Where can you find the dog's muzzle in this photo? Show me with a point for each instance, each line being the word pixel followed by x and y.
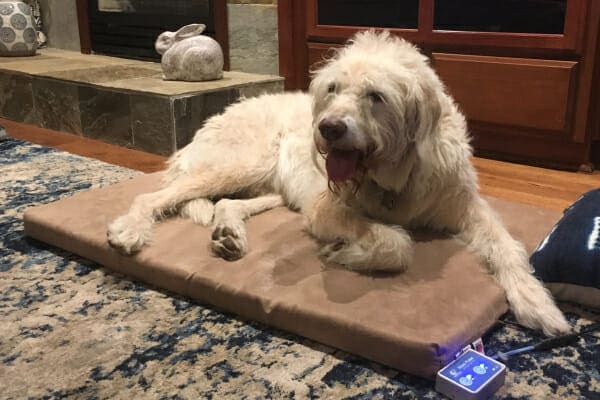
pixel 343 158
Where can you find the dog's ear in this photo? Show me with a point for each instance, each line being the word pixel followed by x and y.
pixel 424 109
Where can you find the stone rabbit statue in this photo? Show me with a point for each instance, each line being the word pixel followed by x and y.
pixel 187 55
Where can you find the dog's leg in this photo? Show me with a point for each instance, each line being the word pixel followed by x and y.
pixel 131 231
pixel 229 233
pixel 508 263
pixel 200 211
pixel 356 242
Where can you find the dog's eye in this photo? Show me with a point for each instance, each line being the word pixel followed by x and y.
pixel 376 97
pixel 331 88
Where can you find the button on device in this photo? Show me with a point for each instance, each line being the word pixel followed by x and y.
pixel 466 380
pixel 480 369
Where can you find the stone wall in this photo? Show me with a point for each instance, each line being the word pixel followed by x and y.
pixel 253 40
pixel 60 24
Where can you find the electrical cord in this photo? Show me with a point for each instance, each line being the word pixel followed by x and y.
pixel 550 343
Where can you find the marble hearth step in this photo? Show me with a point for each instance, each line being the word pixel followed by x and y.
pixel 120 101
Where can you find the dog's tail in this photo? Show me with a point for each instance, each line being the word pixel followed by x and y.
pixel 508 263
pixel 200 211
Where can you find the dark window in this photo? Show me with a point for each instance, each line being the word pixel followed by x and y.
pixel 518 16
pixel 155 7
pixel 369 13
pixel 129 28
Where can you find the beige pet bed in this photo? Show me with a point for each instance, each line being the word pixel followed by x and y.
pixel 415 321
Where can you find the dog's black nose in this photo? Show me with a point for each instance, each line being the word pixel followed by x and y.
pixel 332 128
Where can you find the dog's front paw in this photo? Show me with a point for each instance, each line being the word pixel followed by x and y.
pixel 129 234
pixel 229 241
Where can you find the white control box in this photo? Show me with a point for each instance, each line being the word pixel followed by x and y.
pixel 472 376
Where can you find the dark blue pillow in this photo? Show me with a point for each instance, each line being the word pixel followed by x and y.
pixel 568 259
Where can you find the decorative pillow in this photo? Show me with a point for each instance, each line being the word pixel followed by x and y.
pixel 568 259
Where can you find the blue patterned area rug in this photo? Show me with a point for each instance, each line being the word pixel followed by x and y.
pixel 72 329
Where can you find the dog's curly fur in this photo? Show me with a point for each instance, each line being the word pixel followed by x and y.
pixel 414 170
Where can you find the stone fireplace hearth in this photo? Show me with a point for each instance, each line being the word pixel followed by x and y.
pixel 119 101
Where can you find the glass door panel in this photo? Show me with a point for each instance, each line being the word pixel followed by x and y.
pixel 402 14
pixel 511 16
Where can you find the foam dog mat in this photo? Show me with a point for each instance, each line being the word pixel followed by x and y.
pixel 415 321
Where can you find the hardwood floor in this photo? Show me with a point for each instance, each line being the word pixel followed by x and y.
pixel 524 184
pixel 109 153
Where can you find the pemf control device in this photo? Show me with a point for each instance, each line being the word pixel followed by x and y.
pixel 472 376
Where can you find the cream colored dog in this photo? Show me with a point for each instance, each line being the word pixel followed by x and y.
pixel 380 130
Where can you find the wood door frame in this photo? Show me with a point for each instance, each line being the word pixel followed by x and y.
pixel 219 13
pixel 293 60
pixel 83 22
pixel 221 18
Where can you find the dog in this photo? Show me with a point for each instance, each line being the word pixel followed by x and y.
pixel 376 149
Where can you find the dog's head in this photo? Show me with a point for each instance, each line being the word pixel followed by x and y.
pixel 373 101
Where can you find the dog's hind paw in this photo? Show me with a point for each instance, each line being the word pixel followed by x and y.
pixel 555 325
pixel 549 320
pixel 536 310
pixel 229 241
pixel 353 256
pixel 128 234
pixel 350 256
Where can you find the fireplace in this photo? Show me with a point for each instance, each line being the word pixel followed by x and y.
pixel 128 28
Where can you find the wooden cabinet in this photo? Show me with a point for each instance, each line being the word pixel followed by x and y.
pixel 525 72
pixel 521 92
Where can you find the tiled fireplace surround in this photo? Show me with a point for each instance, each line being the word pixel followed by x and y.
pixel 120 101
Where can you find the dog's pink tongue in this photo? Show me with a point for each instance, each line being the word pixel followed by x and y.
pixel 341 165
